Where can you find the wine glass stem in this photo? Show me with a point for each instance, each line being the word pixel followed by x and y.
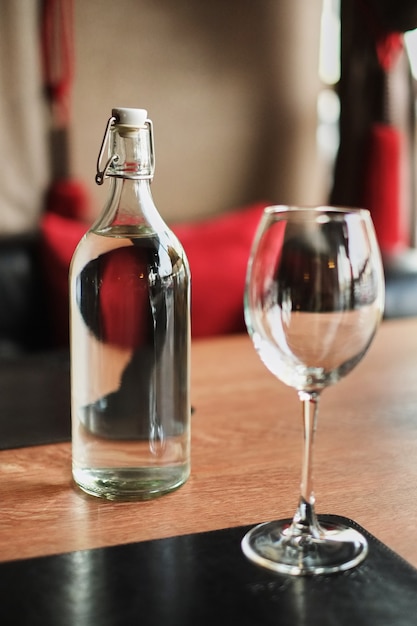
pixel 305 520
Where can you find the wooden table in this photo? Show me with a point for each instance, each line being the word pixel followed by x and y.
pixel 246 454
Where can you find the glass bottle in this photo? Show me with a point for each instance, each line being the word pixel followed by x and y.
pixel 130 332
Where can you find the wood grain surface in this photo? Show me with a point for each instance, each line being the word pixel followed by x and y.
pixel 246 455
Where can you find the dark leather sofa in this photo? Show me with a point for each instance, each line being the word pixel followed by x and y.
pixel 24 323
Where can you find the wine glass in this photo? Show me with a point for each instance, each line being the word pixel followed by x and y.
pixel 314 298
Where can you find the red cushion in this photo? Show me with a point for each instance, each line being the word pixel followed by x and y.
pixel 217 249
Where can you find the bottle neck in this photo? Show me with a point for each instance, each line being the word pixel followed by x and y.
pixel 132 153
pixel 130 203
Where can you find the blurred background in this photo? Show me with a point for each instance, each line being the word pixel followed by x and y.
pixel 266 101
pixel 231 88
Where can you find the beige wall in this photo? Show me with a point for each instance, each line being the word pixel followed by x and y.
pixel 231 88
pixel 23 124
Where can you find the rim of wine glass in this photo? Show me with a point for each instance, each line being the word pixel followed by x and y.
pixel 319 209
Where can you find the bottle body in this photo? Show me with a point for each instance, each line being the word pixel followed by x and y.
pixel 130 344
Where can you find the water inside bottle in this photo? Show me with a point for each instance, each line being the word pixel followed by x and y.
pixel 130 401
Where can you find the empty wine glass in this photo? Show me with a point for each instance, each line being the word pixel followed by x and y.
pixel 313 301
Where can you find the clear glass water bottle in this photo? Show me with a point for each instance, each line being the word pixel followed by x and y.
pixel 130 332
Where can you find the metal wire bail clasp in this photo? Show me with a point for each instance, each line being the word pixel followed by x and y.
pixel 101 174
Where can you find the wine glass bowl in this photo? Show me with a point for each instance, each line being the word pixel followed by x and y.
pixel 314 298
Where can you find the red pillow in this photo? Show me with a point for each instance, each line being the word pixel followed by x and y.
pixel 217 249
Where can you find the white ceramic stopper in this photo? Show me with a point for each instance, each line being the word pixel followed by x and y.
pixel 130 117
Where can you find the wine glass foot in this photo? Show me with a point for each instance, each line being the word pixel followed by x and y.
pixel 336 548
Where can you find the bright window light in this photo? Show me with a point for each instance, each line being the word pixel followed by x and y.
pixel 411 46
pixel 329 59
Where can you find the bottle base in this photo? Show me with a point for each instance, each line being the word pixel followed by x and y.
pixel 130 483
